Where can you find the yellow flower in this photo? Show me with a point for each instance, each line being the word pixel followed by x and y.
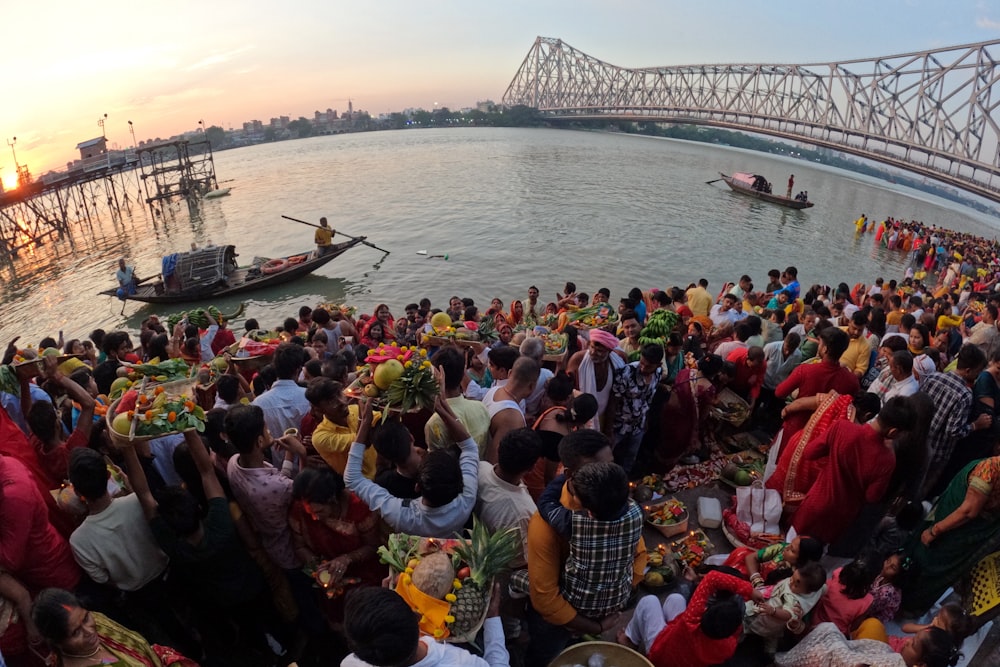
pixel 399 357
pixel 406 579
pixel 438 633
pixel 426 364
pixel 450 597
pixel 423 353
pixel 457 585
pixel 408 364
pixel 408 570
pixel 449 619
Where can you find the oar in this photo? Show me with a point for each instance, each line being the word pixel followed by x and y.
pixel 715 181
pixel 353 238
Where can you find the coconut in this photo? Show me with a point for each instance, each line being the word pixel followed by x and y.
pixel 642 493
pixel 434 575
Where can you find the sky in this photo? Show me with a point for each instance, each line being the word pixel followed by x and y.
pixel 167 65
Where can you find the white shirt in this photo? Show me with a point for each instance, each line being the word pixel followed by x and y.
pixel 117 546
pixel 779 368
pixel 284 406
pixel 448 655
pixel 503 505
pixel 413 516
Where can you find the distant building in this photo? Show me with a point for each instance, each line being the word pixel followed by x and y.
pixel 485 106
pixel 92 147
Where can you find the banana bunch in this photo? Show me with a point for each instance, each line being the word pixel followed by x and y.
pixel 659 324
pixel 202 318
pixel 654 558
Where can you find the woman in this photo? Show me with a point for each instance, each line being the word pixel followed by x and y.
pixel 516 316
pixel 82 638
pixel 685 415
pixel 383 316
pixel 568 414
pixel 793 476
pixel 334 531
pixel 74 346
pixel 919 344
pixel 826 645
pixel 694 343
pixel 375 333
pixel 962 529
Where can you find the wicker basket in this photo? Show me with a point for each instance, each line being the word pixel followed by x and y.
pixel 119 440
pixel 614 654
pixel 669 529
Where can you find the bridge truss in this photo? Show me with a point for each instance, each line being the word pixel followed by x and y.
pixel 930 112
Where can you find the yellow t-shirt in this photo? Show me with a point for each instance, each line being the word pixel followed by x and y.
pixel 333 442
pixel 324 236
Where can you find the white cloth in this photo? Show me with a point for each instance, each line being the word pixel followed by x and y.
pixel 778 367
pixel 502 505
pixel 727 348
pixel 448 655
pixel 588 382
pixel 650 618
pixel 117 546
pixel 413 516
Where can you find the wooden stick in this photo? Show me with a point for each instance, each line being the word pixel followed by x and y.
pixel 353 238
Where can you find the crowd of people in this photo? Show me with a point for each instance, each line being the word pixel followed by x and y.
pixel 202 547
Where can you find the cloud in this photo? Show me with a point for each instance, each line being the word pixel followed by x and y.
pixel 988 24
pixel 218 58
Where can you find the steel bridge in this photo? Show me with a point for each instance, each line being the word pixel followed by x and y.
pixel 929 112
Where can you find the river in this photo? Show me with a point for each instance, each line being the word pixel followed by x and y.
pixel 510 208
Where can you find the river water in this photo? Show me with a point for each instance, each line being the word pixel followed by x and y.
pixel 510 208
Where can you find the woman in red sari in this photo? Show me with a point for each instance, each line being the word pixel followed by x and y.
pixel 684 415
pixel 333 530
pixel 794 476
pixel 516 316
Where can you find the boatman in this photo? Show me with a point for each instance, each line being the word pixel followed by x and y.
pixel 791 184
pixel 127 280
pixel 323 238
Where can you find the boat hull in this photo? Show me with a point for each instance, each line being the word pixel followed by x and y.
pixel 242 280
pixel 774 199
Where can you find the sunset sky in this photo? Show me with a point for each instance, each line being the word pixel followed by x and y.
pixel 165 65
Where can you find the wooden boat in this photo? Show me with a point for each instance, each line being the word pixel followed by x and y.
pixel 745 183
pixel 222 192
pixel 212 272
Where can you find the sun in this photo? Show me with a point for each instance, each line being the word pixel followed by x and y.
pixel 10 181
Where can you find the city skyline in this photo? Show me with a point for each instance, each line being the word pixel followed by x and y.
pixel 167 66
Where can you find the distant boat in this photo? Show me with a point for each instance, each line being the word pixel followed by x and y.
pixel 209 273
pixel 750 184
pixel 212 194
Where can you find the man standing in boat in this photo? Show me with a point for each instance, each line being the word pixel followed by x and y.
pixel 127 280
pixel 323 238
pixel 791 184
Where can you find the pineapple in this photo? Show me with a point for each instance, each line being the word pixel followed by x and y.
pixel 486 555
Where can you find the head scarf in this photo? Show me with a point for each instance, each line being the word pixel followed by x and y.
pixel 602 337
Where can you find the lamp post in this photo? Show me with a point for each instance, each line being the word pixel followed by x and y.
pixel 131 129
pixel 11 142
pixel 100 122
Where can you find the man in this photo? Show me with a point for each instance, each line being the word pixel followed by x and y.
pixel 631 328
pixel 285 403
pixel 504 405
pixel 894 313
pixel 859 351
pixel 447 487
pixel 473 414
pixel 532 305
pixel 915 306
pixel 725 311
pixel 503 500
pixel 791 184
pixel 750 366
pixel 781 357
pixel 394 443
pixel 897 378
pixel 631 395
pixel 985 333
pixel 116 348
pixel 551 619
pixel 338 430
pixel 773 281
pixel 790 280
pixel 323 238
pixel 858 467
pixel 952 411
pixel 593 368
pixel 534 348
pixel 742 331
pixel 127 280
pixel 500 360
pixel 741 289
pixel 698 299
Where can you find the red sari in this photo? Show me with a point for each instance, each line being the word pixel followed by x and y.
pixel 793 475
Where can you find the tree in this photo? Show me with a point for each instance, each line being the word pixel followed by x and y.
pixel 216 137
pixel 301 127
pixel 270 134
pixel 421 117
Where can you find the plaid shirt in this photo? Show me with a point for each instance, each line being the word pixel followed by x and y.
pixel 597 578
pixel 950 423
pixel 633 396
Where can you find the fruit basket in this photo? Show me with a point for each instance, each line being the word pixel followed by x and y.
pixel 154 411
pixel 29 368
pixel 692 549
pixel 742 470
pixel 399 379
pixel 669 516
pixel 730 408
pixel 600 653
pixel 598 316
pixel 661 570
pixel 449 582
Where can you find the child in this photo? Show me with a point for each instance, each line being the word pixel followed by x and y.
pixel 848 597
pixel 886 590
pixel 891 532
pixel 790 600
pixel 596 582
pixel 771 564
pixel 951 618
pixel 383 631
